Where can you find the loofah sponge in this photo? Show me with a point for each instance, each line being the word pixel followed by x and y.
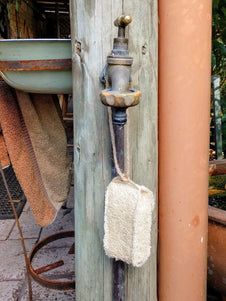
pixel 128 221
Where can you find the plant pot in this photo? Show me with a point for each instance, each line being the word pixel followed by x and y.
pixel 217 250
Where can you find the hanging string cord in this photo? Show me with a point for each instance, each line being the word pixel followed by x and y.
pixel 20 232
pixel 124 176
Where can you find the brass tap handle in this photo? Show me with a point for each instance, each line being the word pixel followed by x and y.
pixel 123 21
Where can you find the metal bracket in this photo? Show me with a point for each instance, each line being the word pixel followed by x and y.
pixel 103 75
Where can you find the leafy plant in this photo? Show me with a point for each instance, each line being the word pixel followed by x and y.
pixel 217 182
pixel 16 4
pixel 3 21
pixel 219 55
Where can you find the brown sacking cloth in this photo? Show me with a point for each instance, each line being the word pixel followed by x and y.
pixel 4 158
pixel 16 142
pixel 19 142
pixel 49 143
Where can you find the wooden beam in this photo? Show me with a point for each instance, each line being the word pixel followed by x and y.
pixel 92 33
pixel 216 215
pixel 217 167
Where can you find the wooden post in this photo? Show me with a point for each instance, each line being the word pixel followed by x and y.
pixel 92 33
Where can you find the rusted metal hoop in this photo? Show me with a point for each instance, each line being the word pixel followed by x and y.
pixel 45 282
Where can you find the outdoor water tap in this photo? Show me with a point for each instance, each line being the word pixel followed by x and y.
pixel 119 95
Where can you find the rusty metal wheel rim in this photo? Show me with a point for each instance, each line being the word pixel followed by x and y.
pixel 58 285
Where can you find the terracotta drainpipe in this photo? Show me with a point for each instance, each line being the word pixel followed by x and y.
pixel 184 98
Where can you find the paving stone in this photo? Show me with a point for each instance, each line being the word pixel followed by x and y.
pixel 12 264
pixel 70 200
pixel 64 221
pixel 6 227
pixel 13 285
pixel 26 207
pixel 41 293
pixel 9 290
pixel 29 227
pixel 46 256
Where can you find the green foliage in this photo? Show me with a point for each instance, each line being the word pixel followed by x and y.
pixel 218 201
pixel 219 55
pixel 16 4
pixel 219 39
pixel 8 9
pixel 3 20
pixel 217 182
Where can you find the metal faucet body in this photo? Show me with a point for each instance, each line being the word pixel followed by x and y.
pixel 119 94
pixel 119 66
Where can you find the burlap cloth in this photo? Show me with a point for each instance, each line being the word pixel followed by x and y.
pixel 36 143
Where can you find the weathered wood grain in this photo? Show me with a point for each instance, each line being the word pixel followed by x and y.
pixel 92 26
pixel 143 41
pixel 217 167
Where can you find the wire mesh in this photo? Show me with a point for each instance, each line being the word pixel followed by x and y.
pixel 17 194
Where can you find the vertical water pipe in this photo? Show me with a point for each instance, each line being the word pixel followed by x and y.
pixel 184 108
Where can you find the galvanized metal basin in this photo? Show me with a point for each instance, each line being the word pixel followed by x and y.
pixel 37 65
